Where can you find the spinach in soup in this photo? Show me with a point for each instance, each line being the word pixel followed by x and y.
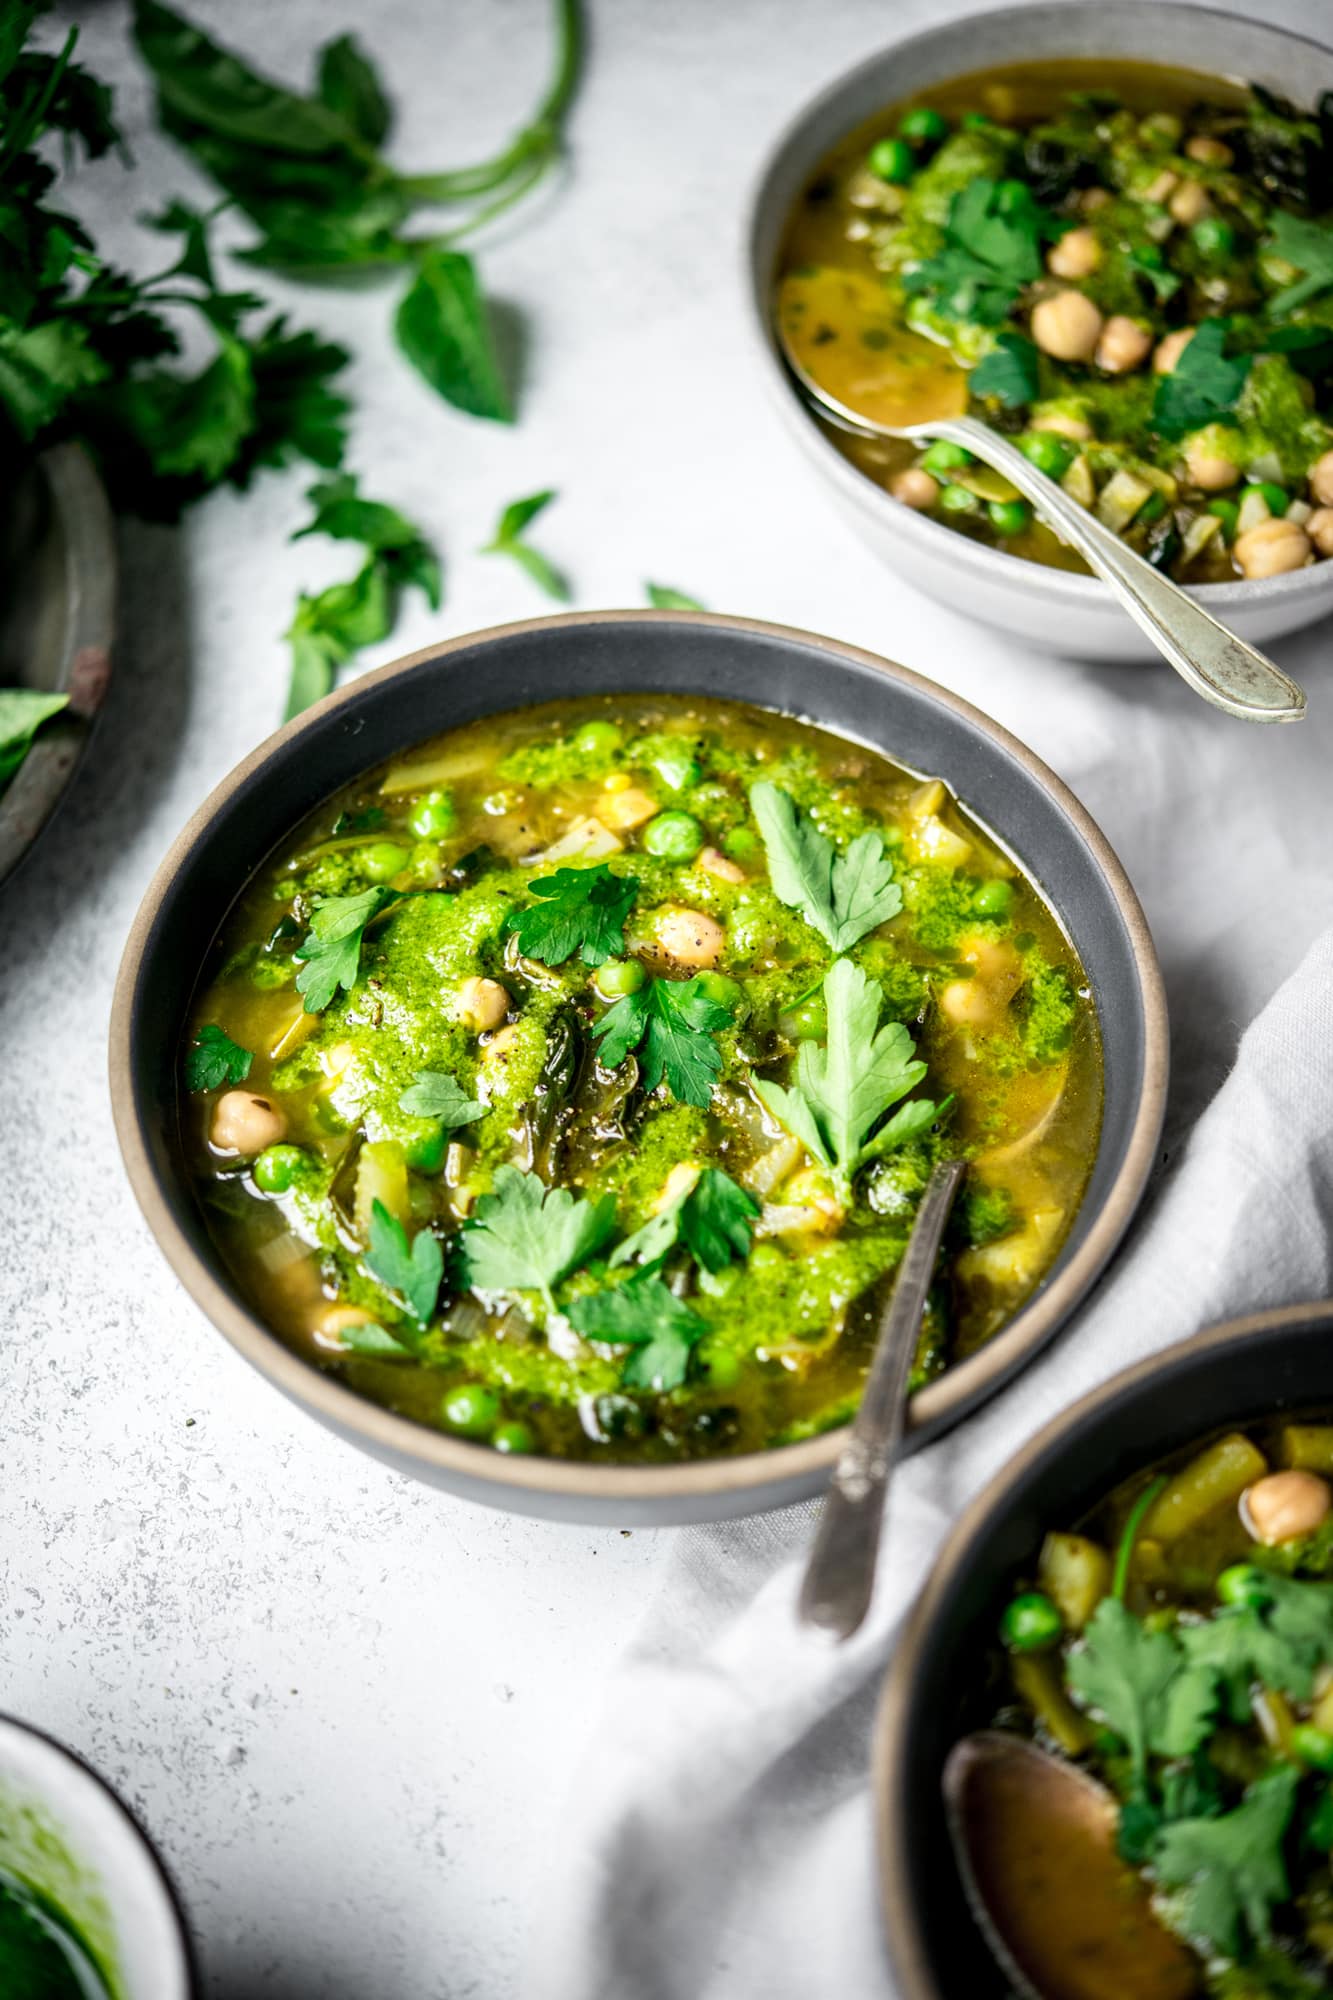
pixel 1180 1646
pixel 1129 268
pixel 571 1084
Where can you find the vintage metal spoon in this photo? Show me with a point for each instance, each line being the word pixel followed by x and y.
pixel 1215 662
pixel 840 1575
pixel 1035 1841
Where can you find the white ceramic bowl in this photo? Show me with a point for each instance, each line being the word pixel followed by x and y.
pixel 65 1835
pixel 1052 609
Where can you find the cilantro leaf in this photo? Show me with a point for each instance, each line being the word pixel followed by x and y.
pixel 1280 1636
pixel 435 1094
pixel 412 1273
pixel 843 1090
pixel 841 895
pixel 646 1315
pixel 443 328
pixel 1229 1870
pixel 22 713
pixel 1309 246
pixel 663 598
pixel 331 951
pixel 1008 374
pixel 579 910
pixel 523 1238
pixel 507 541
pixel 992 248
pixel 714 1219
pixel 670 1022
pixel 213 1059
pixel 1142 1685
pixel 1204 385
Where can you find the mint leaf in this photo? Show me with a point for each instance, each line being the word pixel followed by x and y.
pixel 413 1273
pixel 1309 246
pixel 443 329
pixel 22 713
pixel 670 1022
pixel 714 1221
pixel 645 1314
pixel 1142 1685
pixel 523 1238
pixel 579 910
pixel 1203 386
pixel 213 1059
pixel 842 896
pixel 1229 1870
pixel 350 87
pixel 1008 374
pixel 663 598
pixel 506 542
pixel 435 1094
pixel 331 952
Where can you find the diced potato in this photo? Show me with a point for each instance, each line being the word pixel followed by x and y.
pixel 927 799
pixel 934 841
pixel 1216 1478
pixel 1075 1574
pixel 381 1175
pixel 626 808
pixel 587 837
pixel 1036 1678
pixel 1120 499
pixel 1014 1259
pixel 1079 483
pixel 1307 1447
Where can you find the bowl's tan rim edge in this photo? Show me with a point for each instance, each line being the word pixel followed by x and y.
pixel 1005 571
pixel 380 1429
pixel 911 1964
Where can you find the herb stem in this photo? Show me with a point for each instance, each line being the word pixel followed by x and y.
pixel 21 139
pixel 1125 1553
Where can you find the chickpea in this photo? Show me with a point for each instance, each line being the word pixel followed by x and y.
pixel 1160 189
pixel 245 1123
pixel 1208 469
pixel 481 1004
pixel 327 1330
pixel 1170 348
pixel 1319 528
pixel 721 865
pixel 1321 479
pixel 1272 548
pixel 1190 203
pixel 625 808
pixel 690 938
pixel 1063 425
pixel 969 1003
pixel 1067 325
pixel 1094 198
pixel 915 488
pixel 1076 255
pixel 1208 152
pixel 1124 345
pixel 1284 1506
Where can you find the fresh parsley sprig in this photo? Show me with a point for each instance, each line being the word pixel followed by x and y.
pixel 411 1271
pixel 1008 375
pixel 1204 385
pixel 1143 1686
pixel 991 250
pixel 1306 245
pixel 646 1316
pixel 508 541
pixel 436 1094
pixel 714 1219
pixel 671 1024
pixel 331 951
pixel 842 896
pixel 213 1059
pixel 523 1237
pixel 1228 1873
pixel 581 910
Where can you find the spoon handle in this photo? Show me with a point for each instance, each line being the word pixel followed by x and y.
pixel 1217 664
pixel 840 1575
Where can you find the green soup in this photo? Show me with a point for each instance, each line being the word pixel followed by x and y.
pixel 572 1083
pixel 41 1955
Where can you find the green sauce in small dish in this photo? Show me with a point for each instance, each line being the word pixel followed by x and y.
pixel 42 1956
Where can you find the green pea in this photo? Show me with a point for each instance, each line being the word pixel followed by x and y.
pixel 617 977
pixel 433 816
pixel 1276 497
pixel 1228 513
pixel 716 986
pixel 957 500
pixel 382 859
pixel 945 457
pixel 721 1367
pixel 1213 238
pixel 924 126
pixel 673 836
pixel 678 769
pixel 1049 452
pixel 893 160
pixel 471 1409
pixel 976 121
pixel 425 1152
pixel 1313 1746
pixel 276 1168
pixel 808 1019
pixel 1031 1623
pixel 1319 1826
pixel 597 739
pixel 1242 1584
pixel 512 1437
pixel 741 844
pixel 994 898
pixel 1008 517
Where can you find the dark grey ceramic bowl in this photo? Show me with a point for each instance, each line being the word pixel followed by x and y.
pixel 850 692
pixel 1248 1369
pixel 1056 610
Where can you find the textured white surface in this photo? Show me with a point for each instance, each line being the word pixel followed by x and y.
pixel 348 1707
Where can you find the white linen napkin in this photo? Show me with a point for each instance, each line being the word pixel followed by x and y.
pixel 719 1843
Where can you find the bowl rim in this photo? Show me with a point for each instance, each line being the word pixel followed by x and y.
pixel 1004 571
pixel 890 1784
pixel 492 1474
pixel 135 1832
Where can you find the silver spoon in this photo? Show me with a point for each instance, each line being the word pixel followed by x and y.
pixel 1214 661
pixel 840 1575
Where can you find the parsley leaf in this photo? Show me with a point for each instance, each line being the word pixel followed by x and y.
pixel 523 1238
pixel 714 1220
pixel 1142 1685
pixel 663 598
pixel 22 713
pixel 1307 245
pixel 1281 1636
pixel 507 542
pixel 414 1273
pixel 1008 374
pixel 670 1023
pixel 646 1315
pixel 332 949
pixel 213 1059
pixel 579 910
pixel 1229 1870
pixel 435 1094
pixel 370 1338
pixel 841 895
pixel 843 1090
pixel 992 248
pixel 1203 386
